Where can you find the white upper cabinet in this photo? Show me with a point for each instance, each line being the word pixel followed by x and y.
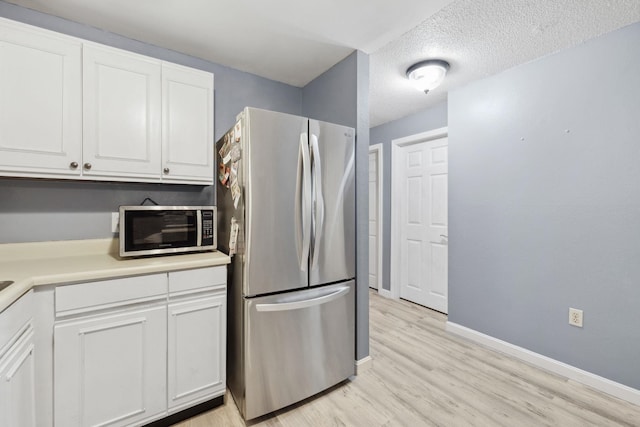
pixel 187 125
pixel 75 109
pixel 121 96
pixel 40 102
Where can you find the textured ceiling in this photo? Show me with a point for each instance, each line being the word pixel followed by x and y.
pixel 294 42
pixel 290 41
pixel 480 38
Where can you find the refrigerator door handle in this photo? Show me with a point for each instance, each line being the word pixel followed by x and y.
pixel 303 203
pixel 318 201
pixel 295 305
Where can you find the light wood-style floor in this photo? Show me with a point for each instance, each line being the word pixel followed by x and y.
pixel 424 376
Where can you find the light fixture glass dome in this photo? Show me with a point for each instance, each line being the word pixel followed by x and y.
pixel 427 75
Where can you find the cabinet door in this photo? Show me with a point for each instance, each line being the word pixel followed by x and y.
pixel 197 351
pixel 40 102
pixel 187 125
pixel 121 93
pixel 17 383
pixel 110 369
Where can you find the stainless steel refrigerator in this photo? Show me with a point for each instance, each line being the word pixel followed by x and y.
pixel 286 211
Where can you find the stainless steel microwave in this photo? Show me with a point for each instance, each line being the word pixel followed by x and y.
pixel 157 230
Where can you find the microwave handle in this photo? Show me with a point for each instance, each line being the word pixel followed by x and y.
pixel 199 227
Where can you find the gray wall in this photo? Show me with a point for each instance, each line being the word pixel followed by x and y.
pixel 36 210
pixel 341 95
pixel 429 119
pixel 362 205
pixel 544 205
pixel 63 210
pixel 39 210
pixel 331 97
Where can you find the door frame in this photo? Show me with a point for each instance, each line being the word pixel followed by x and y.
pixel 378 148
pixel 396 145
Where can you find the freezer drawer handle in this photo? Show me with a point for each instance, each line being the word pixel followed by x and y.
pixel 286 306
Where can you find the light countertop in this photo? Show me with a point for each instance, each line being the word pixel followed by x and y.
pixel 30 265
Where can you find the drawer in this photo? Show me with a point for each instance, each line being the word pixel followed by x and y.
pixel 198 280
pixel 294 343
pixel 13 320
pixel 84 297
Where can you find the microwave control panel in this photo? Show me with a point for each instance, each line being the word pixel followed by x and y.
pixel 207 228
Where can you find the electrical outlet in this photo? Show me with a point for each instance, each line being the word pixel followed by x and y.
pixel 575 317
pixel 115 222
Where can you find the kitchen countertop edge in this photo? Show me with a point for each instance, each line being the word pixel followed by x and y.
pixel 30 265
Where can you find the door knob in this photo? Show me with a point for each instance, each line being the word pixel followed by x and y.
pixel 166 171
pixel 73 165
pixel 87 166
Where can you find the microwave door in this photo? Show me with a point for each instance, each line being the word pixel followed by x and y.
pixel 155 231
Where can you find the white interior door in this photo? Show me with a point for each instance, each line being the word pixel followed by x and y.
pixel 423 227
pixel 373 219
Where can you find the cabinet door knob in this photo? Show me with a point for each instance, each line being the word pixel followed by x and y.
pixel 87 166
pixel 73 165
pixel 166 171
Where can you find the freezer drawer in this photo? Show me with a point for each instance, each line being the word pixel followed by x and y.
pixel 297 344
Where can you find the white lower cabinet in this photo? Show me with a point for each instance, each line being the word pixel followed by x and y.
pixel 17 364
pixel 17 383
pixel 132 350
pixel 110 369
pixel 196 370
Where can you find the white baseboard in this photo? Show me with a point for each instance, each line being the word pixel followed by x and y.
pixel 364 364
pixel 597 382
pixel 384 293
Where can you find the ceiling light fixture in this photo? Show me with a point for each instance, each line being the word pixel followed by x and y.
pixel 427 75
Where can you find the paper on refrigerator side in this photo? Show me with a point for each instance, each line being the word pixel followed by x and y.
pixel 234 153
pixel 235 193
pixel 237 131
pixel 223 169
pixel 226 146
pixel 223 174
pixel 235 186
pixel 230 154
pixel 233 237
